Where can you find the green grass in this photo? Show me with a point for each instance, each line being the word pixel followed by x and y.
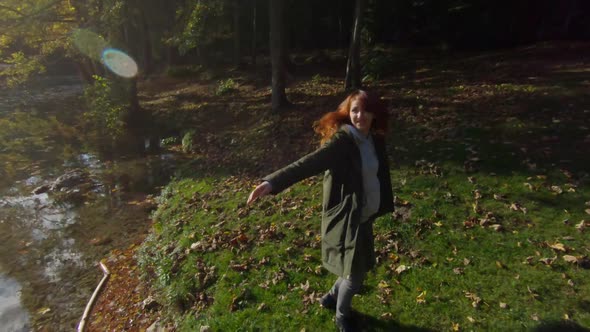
pixel 491 180
pixel 265 268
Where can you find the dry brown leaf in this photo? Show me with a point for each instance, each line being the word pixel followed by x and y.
pixel 386 315
pixel 477 194
pixel 570 259
pixel 499 197
pixel 402 268
pixel 558 246
pixel 421 298
pixel 547 261
pixel 497 227
pixel 581 226
pixel 503 305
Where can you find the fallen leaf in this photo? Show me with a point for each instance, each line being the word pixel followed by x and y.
pixel 570 259
pixel 497 227
pixel 43 311
pixel 470 319
pixel 477 194
pixel 383 284
pixel 557 189
pixel 503 305
pixel 458 270
pixel 581 225
pixel 547 261
pixel 466 261
pixel 455 326
pixel 499 197
pixel 421 298
pixel 402 268
pixel 476 300
pixel 558 246
pixel 587 211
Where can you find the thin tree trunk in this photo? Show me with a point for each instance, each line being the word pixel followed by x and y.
pixel 353 65
pixel 147 45
pixel 254 32
pixel 236 32
pixel 277 55
pixel 340 28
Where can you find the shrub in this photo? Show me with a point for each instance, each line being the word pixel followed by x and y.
pixel 226 86
pixel 107 108
pixel 188 141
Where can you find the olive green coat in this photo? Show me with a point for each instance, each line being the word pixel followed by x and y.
pixel 343 250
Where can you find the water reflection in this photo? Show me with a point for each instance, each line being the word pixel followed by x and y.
pixel 49 247
pixel 52 247
pixel 13 318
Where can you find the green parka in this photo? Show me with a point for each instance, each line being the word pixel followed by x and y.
pixel 344 251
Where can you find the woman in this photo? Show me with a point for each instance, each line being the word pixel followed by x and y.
pixel 357 189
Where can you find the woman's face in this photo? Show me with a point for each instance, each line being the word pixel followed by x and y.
pixel 360 118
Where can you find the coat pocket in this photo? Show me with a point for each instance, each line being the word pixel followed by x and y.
pixel 334 223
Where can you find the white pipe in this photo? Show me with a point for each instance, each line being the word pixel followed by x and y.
pixel 93 298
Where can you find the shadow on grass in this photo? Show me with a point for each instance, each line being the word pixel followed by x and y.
pixel 366 322
pixel 559 326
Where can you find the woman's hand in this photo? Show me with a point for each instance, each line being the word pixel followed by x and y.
pixel 261 190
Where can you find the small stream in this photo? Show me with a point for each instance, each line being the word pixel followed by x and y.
pixel 50 246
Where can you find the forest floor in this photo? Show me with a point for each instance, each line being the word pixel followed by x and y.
pixel 489 168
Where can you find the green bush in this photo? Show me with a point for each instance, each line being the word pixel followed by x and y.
pixel 169 141
pixel 226 86
pixel 188 141
pixel 107 108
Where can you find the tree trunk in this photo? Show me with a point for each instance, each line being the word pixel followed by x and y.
pixel 236 32
pixel 340 28
pixel 353 65
pixel 254 32
pixel 571 11
pixel 147 45
pixel 277 55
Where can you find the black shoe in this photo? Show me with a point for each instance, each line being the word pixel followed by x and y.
pixel 327 301
pixel 346 325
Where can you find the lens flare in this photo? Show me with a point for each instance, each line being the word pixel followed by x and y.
pixel 119 62
pixel 89 43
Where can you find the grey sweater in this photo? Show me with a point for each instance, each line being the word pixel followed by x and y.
pixel 370 166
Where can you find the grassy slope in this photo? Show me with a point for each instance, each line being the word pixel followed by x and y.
pixel 496 139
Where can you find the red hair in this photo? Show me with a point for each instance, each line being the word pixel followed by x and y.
pixel 329 124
